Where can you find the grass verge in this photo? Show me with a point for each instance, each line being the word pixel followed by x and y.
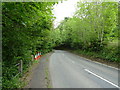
pixel 102 57
pixel 48 84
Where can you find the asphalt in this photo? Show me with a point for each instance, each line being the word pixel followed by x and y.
pixel 68 70
pixel 39 75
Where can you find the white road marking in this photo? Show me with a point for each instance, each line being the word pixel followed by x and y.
pixel 102 78
pixel 69 59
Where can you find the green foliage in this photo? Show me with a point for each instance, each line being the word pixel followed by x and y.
pixel 93 29
pixel 26 29
pixel 11 84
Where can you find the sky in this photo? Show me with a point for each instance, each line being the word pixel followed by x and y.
pixel 64 9
pixel 67 9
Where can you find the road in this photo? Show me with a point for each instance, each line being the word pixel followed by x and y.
pixel 68 70
pixel 37 77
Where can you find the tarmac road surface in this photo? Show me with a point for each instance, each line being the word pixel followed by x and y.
pixel 68 70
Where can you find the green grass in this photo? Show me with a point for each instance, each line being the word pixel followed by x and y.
pixel 108 53
pixel 114 43
pixel 47 78
pixel 36 61
pixel 16 81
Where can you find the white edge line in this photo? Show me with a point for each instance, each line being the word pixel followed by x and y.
pixel 102 78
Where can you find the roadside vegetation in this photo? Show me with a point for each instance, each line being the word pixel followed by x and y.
pixel 93 30
pixel 27 28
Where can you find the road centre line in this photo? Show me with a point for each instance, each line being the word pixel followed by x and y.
pixel 102 78
pixel 97 62
pixel 69 59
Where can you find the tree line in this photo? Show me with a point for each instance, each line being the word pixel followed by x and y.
pixel 27 28
pixel 93 29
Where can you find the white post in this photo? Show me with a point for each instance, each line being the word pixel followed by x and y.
pixel 32 59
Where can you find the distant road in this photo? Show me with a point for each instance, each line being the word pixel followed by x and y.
pixel 68 70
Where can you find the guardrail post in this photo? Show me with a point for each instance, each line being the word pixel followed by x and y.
pixel 21 67
pixel 32 58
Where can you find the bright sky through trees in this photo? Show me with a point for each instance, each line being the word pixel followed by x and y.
pixel 64 9
pixel 67 9
pixel 27 28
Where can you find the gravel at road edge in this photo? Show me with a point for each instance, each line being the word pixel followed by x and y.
pixel 38 76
